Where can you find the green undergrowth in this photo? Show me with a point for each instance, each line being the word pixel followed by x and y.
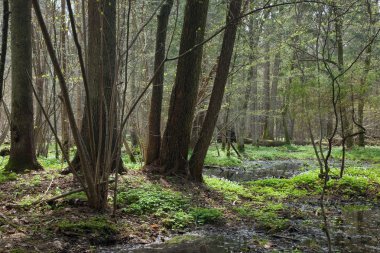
pixel 96 227
pixel 221 158
pixel 173 209
pixel 4 175
pixel 261 200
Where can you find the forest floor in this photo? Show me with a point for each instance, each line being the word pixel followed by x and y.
pixel 154 209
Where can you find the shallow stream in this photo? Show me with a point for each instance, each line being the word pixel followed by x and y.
pixel 351 228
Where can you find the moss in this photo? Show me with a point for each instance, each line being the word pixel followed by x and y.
pixel 180 239
pixel 206 215
pixel 7 176
pixel 97 227
pixel 21 165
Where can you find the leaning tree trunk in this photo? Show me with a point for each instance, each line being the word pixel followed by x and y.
pixel 154 138
pixel 22 152
pixel 176 139
pixel 200 150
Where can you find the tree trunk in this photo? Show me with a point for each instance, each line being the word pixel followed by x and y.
pixel 273 94
pixel 4 46
pixel 363 82
pixel 267 134
pixel 65 127
pixel 176 139
pixel 22 152
pixel 154 138
pixel 197 159
pixel 346 122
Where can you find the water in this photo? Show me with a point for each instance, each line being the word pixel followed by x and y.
pixel 351 231
pixel 352 228
pixel 252 170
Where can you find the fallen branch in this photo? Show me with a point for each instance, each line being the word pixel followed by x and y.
pixel 69 193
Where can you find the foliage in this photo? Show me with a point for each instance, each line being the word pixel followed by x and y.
pixel 178 220
pixel 152 199
pixel 206 215
pixel 231 190
pixel 4 175
pixel 267 217
pixel 212 158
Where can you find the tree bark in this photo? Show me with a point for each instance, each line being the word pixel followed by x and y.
pixel 197 159
pixel 273 94
pixel 267 134
pixel 4 46
pixel 22 151
pixel 154 137
pixel 65 127
pixel 363 81
pixel 176 138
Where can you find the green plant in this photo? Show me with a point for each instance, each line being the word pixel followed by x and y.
pixel 152 199
pixel 178 220
pixel 206 215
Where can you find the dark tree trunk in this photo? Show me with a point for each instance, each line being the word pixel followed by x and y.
pixel 4 45
pixel 22 152
pixel 176 138
pixel 197 159
pixel 154 138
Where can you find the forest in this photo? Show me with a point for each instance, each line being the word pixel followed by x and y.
pixel 191 126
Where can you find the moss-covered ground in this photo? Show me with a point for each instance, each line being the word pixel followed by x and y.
pixel 151 207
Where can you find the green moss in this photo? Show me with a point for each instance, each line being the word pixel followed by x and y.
pixel 7 176
pixel 180 239
pixel 206 215
pixel 351 208
pixel 97 226
pixel 77 196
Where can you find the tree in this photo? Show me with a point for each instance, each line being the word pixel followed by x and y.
pixel 22 152
pixel 200 150
pixel 154 137
pixel 176 139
